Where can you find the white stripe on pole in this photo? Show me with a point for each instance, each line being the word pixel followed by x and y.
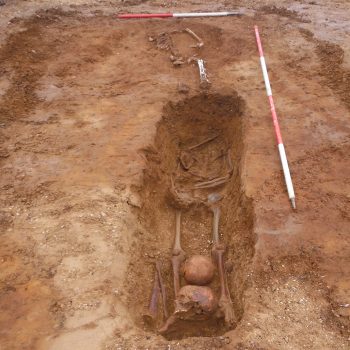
pixel 266 76
pixel 287 176
pixel 205 14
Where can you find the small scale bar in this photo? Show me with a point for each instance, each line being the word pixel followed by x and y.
pixel 177 15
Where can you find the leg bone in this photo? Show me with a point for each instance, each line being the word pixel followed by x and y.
pixel 178 254
pixel 218 251
pixel 177 259
pixel 162 290
pixel 151 314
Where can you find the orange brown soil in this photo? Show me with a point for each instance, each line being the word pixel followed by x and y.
pixel 93 121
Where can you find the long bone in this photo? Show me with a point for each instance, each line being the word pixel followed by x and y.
pixel 212 183
pixel 200 42
pixel 218 251
pixel 176 260
pixel 162 290
pixel 178 254
pixel 151 314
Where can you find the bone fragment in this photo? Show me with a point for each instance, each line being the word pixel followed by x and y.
pixel 186 160
pixel 178 61
pixel 193 58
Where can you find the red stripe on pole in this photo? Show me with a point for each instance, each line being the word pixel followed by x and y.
pixel 258 41
pixel 144 15
pixel 275 121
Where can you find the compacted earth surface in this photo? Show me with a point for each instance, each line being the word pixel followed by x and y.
pixel 106 132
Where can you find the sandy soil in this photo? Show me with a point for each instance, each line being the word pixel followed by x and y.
pixel 92 125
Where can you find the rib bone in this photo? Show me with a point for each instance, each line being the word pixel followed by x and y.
pixel 218 251
pixel 209 139
pixel 212 183
pixel 178 254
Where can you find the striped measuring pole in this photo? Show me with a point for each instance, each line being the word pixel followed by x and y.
pixel 281 149
pixel 177 15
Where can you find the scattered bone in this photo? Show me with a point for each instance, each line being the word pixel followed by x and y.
pixel 194 35
pixel 179 62
pixel 162 290
pixel 193 58
pixel 209 139
pixel 151 314
pixel 218 251
pixel 164 41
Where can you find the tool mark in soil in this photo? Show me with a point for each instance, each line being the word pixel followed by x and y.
pixel 198 142
pixel 29 54
pixel 283 12
pixel 331 57
pixel 25 56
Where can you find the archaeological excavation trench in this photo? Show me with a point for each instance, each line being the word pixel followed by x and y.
pixel 193 171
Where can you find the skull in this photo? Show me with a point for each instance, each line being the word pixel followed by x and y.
pixel 195 303
pixel 198 270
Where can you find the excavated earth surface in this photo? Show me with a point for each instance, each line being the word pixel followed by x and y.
pixel 99 129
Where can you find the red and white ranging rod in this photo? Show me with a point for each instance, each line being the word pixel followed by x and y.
pixel 177 15
pixel 281 149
